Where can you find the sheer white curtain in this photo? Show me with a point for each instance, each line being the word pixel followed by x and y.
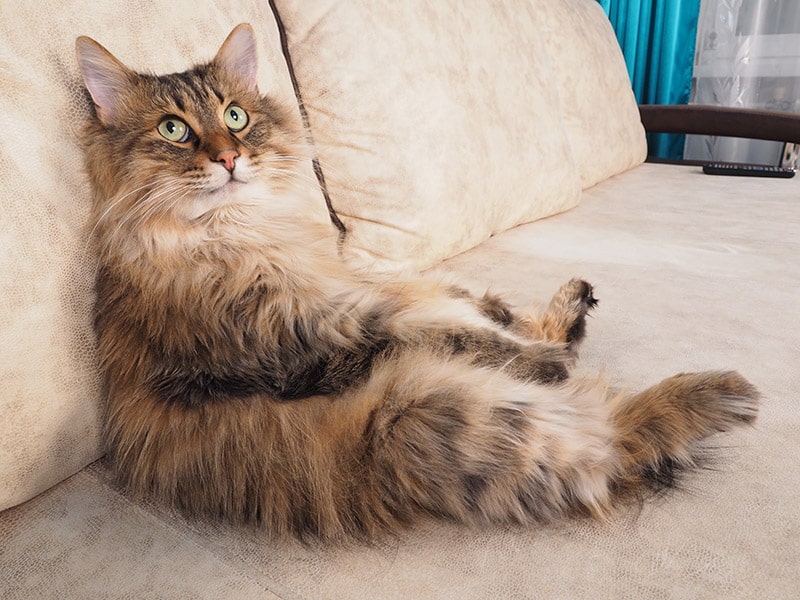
pixel 748 55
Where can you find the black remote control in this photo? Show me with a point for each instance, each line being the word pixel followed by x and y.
pixel 743 170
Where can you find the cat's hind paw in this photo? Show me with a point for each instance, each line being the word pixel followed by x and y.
pixel 564 320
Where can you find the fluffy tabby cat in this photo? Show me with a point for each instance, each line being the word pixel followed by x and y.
pixel 252 376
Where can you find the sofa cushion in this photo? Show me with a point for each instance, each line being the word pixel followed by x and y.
pixel 599 108
pixel 50 406
pixel 437 123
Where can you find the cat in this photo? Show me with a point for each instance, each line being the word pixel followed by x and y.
pixel 251 376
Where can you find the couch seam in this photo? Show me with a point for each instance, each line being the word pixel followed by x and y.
pixel 306 123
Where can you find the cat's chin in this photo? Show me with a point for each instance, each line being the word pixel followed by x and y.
pixel 232 194
pixel 230 189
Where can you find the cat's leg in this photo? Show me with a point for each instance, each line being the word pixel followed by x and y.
pixel 448 320
pixel 562 322
pixel 564 319
pixel 533 361
pixel 555 333
pixel 477 446
pixel 472 445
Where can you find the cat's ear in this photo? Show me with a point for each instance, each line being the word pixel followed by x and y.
pixel 105 77
pixel 238 55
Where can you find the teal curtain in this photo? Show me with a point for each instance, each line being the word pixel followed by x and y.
pixel 658 40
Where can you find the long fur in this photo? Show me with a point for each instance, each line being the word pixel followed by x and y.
pixel 251 376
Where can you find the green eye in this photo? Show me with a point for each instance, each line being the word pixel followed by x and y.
pixel 173 129
pixel 235 117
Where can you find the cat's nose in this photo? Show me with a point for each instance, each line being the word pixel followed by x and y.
pixel 228 159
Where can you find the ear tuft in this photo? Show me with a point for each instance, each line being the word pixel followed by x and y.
pixel 105 77
pixel 238 55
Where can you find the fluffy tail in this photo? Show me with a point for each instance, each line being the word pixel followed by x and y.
pixel 657 431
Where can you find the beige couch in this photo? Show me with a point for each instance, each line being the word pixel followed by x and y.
pixel 444 132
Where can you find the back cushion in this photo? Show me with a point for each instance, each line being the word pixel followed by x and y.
pixel 50 400
pixel 437 123
pixel 600 111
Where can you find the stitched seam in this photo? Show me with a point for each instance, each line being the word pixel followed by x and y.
pixel 304 115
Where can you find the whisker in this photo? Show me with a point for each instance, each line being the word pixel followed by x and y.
pixel 111 207
pixel 147 205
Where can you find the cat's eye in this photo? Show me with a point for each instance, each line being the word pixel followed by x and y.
pixel 235 117
pixel 173 129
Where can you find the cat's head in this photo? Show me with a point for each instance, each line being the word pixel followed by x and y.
pixel 164 151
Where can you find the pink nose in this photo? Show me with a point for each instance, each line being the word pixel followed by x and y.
pixel 228 158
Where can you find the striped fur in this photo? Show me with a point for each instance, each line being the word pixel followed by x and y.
pixel 251 376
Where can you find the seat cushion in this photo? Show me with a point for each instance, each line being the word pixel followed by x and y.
pixel 672 298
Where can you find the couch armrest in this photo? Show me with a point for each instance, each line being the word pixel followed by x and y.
pixel 723 121
pixel 719 120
